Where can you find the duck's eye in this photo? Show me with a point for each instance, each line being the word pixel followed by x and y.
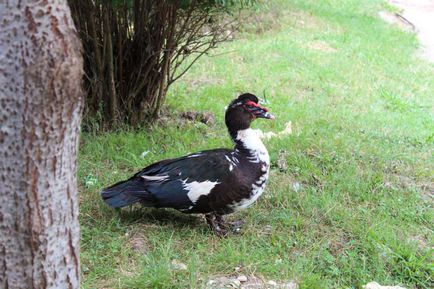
pixel 249 107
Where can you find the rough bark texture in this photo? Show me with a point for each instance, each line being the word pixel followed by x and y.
pixel 40 111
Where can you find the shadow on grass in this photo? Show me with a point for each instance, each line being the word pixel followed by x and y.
pixel 159 217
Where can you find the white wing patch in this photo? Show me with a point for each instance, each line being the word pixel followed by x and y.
pixel 155 178
pixel 197 189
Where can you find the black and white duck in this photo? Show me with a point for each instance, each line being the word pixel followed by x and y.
pixel 212 182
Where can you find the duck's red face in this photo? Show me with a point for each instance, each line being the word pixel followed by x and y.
pixel 257 111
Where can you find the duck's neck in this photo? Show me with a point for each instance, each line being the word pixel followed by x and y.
pixel 248 142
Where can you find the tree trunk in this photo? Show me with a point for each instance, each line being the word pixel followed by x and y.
pixel 111 101
pixel 40 111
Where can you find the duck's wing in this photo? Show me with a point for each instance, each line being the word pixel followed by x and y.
pixel 178 183
pixel 174 183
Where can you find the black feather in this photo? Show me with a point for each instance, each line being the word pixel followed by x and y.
pixel 127 193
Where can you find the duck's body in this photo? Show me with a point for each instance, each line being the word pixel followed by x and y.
pixel 213 182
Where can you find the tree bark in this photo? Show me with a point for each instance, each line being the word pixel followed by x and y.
pixel 40 111
pixel 111 101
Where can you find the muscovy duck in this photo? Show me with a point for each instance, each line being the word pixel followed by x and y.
pixel 212 182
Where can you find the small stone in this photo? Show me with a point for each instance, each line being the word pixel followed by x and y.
pixel 176 265
pixel 242 278
pixel 235 283
pixel 375 285
pixel 272 283
pixel 290 285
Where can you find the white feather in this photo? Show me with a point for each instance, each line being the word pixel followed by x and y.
pixel 231 163
pixel 253 143
pixel 155 178
pixel 195 155
pixel 258 154
pixel 197 189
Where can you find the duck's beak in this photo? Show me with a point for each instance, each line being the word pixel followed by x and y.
pixel 265 114
pixel 259 111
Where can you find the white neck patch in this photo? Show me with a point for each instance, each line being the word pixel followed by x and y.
pixel 251 141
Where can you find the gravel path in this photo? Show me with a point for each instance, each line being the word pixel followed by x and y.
pixel 421 14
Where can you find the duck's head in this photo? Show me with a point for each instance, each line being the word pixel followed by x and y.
pixel 243 110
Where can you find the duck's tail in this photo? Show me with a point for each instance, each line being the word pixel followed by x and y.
pixel 125 193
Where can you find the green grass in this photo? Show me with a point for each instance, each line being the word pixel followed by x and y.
pixel 355 202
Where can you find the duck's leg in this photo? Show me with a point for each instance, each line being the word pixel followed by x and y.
pixel 213 221
pixel 234 226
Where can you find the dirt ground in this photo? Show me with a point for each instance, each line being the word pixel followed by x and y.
pixel 421 14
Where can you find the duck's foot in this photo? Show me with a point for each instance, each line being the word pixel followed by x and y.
pixel 221 227
pixel 216 226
